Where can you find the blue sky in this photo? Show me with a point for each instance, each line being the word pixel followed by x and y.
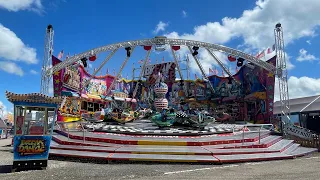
pixel 82 25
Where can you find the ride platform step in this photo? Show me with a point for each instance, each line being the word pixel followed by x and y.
pixel 302 151
pixel 282 145
pixel 237 158
pixel 167 141
pixel 264 143
pixel 134 157
pixel 137 149
pixel 174 150
pixel 60 139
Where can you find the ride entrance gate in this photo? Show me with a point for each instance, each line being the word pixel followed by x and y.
pixel 34 119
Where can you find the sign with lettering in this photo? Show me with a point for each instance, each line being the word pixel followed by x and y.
pixel 31 147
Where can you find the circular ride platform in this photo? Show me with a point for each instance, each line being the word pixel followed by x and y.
pixel 146 127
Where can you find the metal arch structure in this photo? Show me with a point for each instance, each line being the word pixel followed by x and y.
pixel 164 41
pixel 222 65
pixel 46 64
pixel 141 73
pixel 201 69
pixel 119 73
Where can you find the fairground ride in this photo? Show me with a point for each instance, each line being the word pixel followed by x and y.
pixel 162 43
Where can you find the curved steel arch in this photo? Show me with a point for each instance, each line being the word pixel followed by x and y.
pixel 164 41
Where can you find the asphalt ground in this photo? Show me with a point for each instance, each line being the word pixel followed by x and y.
pixel 307 168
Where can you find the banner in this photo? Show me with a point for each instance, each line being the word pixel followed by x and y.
pixel 31 147
pixel 168 70
pixel 57 78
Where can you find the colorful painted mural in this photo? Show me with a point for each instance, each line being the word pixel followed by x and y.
pixel 254 93
pixel 97 86
pixel 168 70
pixel 71 110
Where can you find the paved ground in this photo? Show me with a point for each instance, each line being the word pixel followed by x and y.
pixel 5 142
pixel 302 168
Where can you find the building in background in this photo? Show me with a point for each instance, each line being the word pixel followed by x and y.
pixel 305 112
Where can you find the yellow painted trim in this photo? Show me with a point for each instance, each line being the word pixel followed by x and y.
pixel 71 119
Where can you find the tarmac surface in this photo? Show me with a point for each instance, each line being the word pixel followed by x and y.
pixel 307 168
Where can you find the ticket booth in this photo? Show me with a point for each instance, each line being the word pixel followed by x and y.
pixel 34 119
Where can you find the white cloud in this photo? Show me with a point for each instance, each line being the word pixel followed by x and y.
pixel 33 71
pixel 184 13
pixel 12 47
pixel 309 42
pixel 3 110
pixel 211 32
pixel 18 5
pixel 255 26
pixel 11 68
pixel 300 87
pixel 161 26
pixel 207 61
pixel 304 56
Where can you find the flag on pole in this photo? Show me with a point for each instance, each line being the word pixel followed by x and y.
pixel 107 70
pixel 211 71
pixel 232 58
pixel 195 76
pixel 68 55
pixel 270 50
pixel 260 55
pixel 215 71
pixel 60 55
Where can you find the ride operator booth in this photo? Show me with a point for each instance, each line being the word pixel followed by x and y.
pixel 34 119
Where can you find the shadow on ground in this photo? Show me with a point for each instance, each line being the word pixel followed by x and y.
pixel 4 169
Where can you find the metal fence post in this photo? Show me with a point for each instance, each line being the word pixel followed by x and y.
pixel 84 136
pixel 68 133
pixel 243 134
pixel 260 134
